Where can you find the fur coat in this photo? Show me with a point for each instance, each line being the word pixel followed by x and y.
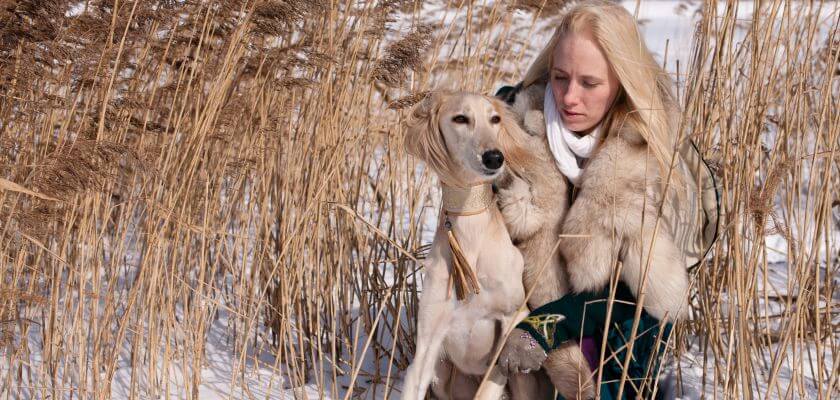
pixel 616 209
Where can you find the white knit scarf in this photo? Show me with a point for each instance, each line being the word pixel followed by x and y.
pixel 564 144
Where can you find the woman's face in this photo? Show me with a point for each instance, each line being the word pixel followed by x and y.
pixel 584 86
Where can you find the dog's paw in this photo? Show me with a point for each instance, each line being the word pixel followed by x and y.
pixel 521 353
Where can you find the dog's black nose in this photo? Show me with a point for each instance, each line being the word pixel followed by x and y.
pixel 493 159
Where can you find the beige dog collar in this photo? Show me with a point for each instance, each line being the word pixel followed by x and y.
pixel 467 201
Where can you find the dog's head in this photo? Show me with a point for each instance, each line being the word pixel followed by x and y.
pixel 465 138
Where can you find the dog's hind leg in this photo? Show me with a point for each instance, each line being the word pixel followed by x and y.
pixel 494 387
pixel 533 385
pixel 451 384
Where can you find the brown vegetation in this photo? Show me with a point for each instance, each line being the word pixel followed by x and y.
pixel 166 163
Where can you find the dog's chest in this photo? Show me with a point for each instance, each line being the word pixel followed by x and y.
pixel 479 320
pixel 501 288
pixel 498 298
pixel 476 323
pixel 476 328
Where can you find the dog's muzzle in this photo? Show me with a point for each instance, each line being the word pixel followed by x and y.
pixel 492 159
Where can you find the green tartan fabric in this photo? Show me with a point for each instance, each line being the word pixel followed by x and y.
pixel 585 314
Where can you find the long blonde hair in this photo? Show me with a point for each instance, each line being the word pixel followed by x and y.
pixel 645 102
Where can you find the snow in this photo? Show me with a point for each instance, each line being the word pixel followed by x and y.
pixel 668 28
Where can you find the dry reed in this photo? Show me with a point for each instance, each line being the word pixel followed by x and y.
pixel 194 177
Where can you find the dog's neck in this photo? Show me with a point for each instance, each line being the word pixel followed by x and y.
pixel 467 201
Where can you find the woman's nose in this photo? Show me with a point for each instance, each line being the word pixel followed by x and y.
pixel 572 95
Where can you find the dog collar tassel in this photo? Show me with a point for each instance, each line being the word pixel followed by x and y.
pixel 462 274
pixel 463 202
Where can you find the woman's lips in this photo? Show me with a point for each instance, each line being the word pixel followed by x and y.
pixel 571 114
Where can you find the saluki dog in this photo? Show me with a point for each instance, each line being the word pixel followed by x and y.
pixel 472 287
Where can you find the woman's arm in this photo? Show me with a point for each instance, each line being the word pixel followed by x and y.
pixel 652 260
pixel 590 244
pixel 614 218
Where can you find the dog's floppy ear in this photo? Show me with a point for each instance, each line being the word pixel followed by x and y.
pixel 421 126
pixel 424 139
pixel 511 137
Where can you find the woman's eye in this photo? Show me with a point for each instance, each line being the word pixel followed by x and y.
pixel 590 84
pixel 560 78
pixel 495 119
pixel 460 119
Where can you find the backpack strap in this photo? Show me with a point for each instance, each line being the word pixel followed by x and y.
pixel 710 203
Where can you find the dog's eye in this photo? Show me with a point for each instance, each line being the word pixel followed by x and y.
pixel 495 119
pixel 460 119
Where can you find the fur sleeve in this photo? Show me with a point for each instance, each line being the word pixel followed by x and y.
pixel 523 218
pixel 591 246
pixel 618 214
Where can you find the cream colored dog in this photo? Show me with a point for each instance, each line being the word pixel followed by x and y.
pixel 460 136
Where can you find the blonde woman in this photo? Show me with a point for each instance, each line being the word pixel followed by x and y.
pixel 644 205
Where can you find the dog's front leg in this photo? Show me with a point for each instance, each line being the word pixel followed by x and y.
pixel 435 315
pixel 431 331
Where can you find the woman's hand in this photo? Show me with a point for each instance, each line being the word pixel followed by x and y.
pixel 521 354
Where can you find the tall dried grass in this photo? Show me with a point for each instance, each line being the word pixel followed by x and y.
pixel 178 171
pixel 765 111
